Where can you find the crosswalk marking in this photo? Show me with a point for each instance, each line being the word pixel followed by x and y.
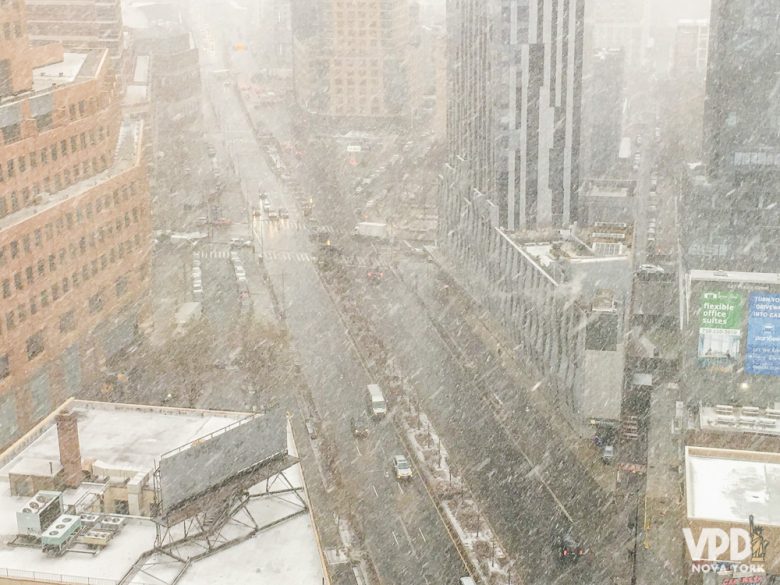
pixel 289 256
pixel 283 256
pixel 213 254
pixel 301 226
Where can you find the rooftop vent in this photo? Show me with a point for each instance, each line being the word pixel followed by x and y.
pixel 38 514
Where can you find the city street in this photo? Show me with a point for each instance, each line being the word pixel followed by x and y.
pixel 404 536
pixel 531 497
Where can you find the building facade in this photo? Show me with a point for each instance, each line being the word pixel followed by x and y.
pixel 617 24
pixel 730 204
pixel 742 110
pixel 274 36
pixel 79 25
pixel 514 118
pixel 515 73
pixel 603 105
pixel 352 59
pixel 559 300
pixel 691 43
pixel 74 233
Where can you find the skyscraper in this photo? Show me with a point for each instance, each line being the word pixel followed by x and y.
pixel 514 120
pixel 604 105
pixel 742 107
pixel 689 53
pixel 731 210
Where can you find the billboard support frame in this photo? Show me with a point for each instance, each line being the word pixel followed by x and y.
pixel 205 529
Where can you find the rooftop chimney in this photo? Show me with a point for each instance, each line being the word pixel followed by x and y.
pixel 70 451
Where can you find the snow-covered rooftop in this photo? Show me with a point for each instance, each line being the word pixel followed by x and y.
pixel 725 485
pixel 133 437
pixel 746 277
pixel 59 73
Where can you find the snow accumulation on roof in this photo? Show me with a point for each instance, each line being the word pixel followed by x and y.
pixel 128 437
pixel 725 485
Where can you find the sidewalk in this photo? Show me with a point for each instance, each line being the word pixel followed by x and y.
pixel 660 552
pixel 264 303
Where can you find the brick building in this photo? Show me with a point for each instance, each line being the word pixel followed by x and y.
pixel 354 59
pixel 74 225
pixel 80 25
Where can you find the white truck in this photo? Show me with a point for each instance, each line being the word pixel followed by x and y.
pixel 366 229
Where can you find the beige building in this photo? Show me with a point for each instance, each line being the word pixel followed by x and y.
pixel 74 227
pixel 353 59
pixel 79 25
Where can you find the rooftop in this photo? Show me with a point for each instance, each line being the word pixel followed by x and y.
pixel 124 440
pixel 725 485
pixel 59 73
pixel 735 277
pixel 609 188
pixel 590 262
pixel 745 419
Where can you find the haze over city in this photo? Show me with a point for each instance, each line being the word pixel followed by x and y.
pixel 383 292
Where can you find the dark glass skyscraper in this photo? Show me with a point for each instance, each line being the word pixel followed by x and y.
pixel 742 108
pixel 730 212
pixel 514 118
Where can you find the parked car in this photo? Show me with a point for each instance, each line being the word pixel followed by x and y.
pixel 401 467
pixel 273 214
pixel 283 213
pixel 240 243
pixel 211 151
pixel 222 221
pixel 266 206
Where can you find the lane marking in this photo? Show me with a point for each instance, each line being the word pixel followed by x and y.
pixel 399 487
pixel 421 534
pixel 395 538
pixel 376 493
pixel 408 538
pixel 358 448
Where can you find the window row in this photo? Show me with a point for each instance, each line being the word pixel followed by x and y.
pixel 16 317
pixel 12 30
pixel 27 277
pixel 68 221
pixel 24 197
pixel 52 152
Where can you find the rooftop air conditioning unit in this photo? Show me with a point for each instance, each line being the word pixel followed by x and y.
pixel 111 523
pixel 96 537
pixel 89 519
pixel 38 513
pixel 60 532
